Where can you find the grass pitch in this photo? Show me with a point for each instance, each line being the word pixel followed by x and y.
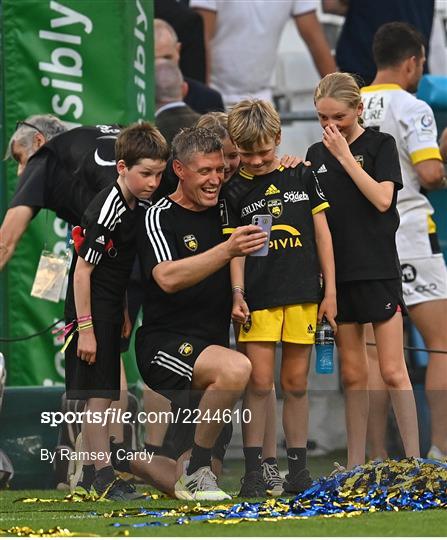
pixel 94 518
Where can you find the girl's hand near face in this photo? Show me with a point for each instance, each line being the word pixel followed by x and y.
pixel 337 145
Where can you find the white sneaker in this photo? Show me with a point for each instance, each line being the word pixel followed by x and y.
pixel 74 478
pixel 272 478
pixel 199 486
pixel 435 453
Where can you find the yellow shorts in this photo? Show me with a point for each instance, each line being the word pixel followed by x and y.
pixel 292 324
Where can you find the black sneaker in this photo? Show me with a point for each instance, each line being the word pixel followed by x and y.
pixel 294 484
pixel 253 485
pixel 118 490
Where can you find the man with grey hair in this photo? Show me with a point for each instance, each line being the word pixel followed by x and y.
pixel 171 112
pixel 199 97
pixel 58 170
pixel 182 346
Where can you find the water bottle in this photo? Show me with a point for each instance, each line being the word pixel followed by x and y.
pixel 324 347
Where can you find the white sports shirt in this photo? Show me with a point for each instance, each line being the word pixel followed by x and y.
pixel 245 43
pixel 411 122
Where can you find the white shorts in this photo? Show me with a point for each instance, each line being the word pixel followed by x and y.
pixel 424 279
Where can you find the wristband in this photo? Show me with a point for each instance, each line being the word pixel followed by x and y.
pixel 84 318
pixel 236 288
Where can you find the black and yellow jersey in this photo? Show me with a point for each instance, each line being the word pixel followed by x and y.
pixel 289 274
pixel 362 236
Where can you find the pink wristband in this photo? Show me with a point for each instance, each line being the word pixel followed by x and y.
pixel 84 318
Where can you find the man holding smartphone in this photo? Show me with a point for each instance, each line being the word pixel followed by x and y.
pixel 182 345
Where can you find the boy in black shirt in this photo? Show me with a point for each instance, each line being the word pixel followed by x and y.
pixel 282 289
pixel 96 294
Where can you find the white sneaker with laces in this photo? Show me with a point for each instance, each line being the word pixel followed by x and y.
pixel 199 486
pixel 272 478
pixel 435 453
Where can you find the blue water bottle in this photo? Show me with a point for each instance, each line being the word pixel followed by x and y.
pixel 324 347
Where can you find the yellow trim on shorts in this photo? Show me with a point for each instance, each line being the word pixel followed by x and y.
pixel 320 207
pixel 229 230
pixel 424 154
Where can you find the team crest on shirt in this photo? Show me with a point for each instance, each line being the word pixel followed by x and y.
pixel 274 206
pixel 359 159
pixel 185 349
pixel 191 242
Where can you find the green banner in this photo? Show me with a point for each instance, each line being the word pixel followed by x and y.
pixel 88 62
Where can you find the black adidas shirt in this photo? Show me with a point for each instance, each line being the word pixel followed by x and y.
pixel 363 237
pixel 68 171
pixel 171 232
pixel 289 274
pixel 108 217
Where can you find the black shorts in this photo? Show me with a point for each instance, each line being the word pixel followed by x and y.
pixel 166 362
pixel 134 300
pixel 101 379
pixel 180 435
pixel 369 300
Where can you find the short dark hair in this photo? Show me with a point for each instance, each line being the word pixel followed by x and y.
pixel 190 141
pixel 394 42
pixel 140 141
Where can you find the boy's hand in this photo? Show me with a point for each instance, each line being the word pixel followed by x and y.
pixel 127 325
pixel 328 309
pixel 292 161
pixel 246 240
pixel 240 311
pixel 87 346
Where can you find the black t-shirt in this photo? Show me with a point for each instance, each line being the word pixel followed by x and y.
pixel 171 232
pixel 68 171
pixel 363 237
pixel 289 274
pixel 108 217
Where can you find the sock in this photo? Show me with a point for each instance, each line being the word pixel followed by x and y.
pixel 296 458
pixel 152 448
pixel 270 461
pixel 200 457
pixel 104 477
pixel 88 475
pixel 119 462
pixel 253 458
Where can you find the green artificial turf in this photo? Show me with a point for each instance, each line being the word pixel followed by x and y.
pixel 91 518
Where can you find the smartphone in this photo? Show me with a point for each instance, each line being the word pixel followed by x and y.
pixel 265 222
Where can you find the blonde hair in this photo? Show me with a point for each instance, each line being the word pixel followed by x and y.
pixel 253 121
pixel 340 86
pixel 215 121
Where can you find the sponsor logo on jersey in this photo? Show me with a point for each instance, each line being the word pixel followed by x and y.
pixel 185 349
pixel 425 128
pixel 289 240
pixel 274 206
pixel 272 190
pixel 318 187
pixel 100 240
pixel 359 159
pixel 223 211
pixel 191 242
pixel 250 208
pixel 322 169
pixel 408 273
pixel 388 305
pixel 427 120
pixel 98 159
pixel 295 196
